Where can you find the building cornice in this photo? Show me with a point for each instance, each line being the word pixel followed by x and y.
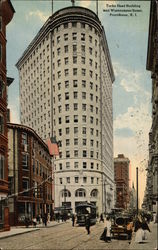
pixel 28 130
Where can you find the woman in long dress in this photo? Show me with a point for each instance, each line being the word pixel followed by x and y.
pixel 108 231
pixel 139 232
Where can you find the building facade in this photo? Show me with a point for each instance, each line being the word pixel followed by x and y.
pixel 6 14
pixel 152 65
pixel 30 174
pixel 66 80
pixel 121 175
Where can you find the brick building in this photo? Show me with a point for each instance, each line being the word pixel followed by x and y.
pixel 30 174
pixel 121 176
pixel 6 14
pixel 151 194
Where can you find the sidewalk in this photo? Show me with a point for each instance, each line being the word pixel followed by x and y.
pixel 150 243
pixel 22 229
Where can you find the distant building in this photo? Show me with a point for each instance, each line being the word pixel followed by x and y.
pixel 66 78
pixel 151 195
pixel 121 176
pixel 132 198
pixel 30 174
pixel 6 15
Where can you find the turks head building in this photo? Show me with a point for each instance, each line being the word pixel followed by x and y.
pixel 66 78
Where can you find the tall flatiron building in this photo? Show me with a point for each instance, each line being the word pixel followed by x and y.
pixel 66 78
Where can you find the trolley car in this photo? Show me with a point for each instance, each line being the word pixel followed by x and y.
pixel 84 209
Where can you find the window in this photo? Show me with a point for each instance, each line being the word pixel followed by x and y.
pixel 84 118
pixel 76 179
pixel 0 52
pixel 67 142
pixel 25 186
pixel 91 143
pixel 92 165
pixel 90 50
pixel 74 59
pixel 66 84
pixel 65 37
pixel 60 180
pixel 59 109
pixel 92 180
pixel 65 25
pixel 75 83
pixel 91 131
pixel 80 193
pixel 74 24
pixel 83 95
pixel 91 97
pixel 59 62
pixel 75 130
pixel 58 39
pixel 59 120
pixel 2 88
pixel 68 179
pixel 58 51
pixel 83 25
pixel 67 130
pixel 75 106
pixel 1 124
pixel 84 165
pixel 74 71
pixel 94 192
pixel 75 164
pixel 66 72
pixel 74 48
pixel 83 72
pixel 76 141
pixel 91 153
pixel 84 107
pixel 84 142
pixel 67 164
pixel 67 96
pixel 75 95
pixel 24 138
pixel 66 49
pixel 82 48
pixel 66 60
pixel 83 60
pixel 83 83
pixel 91 119
pixel 66 107
pixel 74 36
pixel 84 153
pixel 91 73
pixel 60 131
pixel 84 130
pixel 59 74
pixel 67 119
pixel 25 161
pixel 84 179
pixel 82 37
pixel 75 118
pixel 90 39
pixel 67 154
pixel 2 166
pixel 75 153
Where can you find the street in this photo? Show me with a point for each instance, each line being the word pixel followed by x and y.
pixel 64 236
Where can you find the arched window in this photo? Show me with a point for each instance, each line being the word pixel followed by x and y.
pixel 80 192
pixel 65 193
pixel 94 193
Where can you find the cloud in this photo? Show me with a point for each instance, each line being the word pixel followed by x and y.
pixel 85 4
pixel 39 14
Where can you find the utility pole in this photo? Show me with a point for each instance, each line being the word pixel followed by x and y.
pixel 52 7
pixel 137 187
pixel 73 2
pixel 97 7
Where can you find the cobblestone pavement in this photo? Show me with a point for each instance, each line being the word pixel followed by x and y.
pixel 64 236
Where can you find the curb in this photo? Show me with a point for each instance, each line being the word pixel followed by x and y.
pixel 18 233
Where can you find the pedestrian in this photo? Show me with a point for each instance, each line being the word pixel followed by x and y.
pixel 108 227
pixel 45 218
pixel 129 230
pixel 87 223
pixel 48 217
pixel 73 220
pixel 146 229
pixel 101 218
pixel 34 222
pixel 139 231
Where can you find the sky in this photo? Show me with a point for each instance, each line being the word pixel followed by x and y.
pixel 127 38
